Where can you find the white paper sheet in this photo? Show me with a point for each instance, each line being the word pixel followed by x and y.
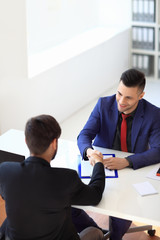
pixel 145 188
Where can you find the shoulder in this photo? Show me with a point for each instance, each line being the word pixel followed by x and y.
pixel 9 165
pixel 7 169
pixel 148 111
pixel 107 101
pixel 149 106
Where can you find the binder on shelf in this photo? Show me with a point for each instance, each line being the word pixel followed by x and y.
pixel 134 61
pixel 151 38
pixel 143 63
pixel 151 11
pixel 143 37
pixel 140 12
pixel 135 10
pixel 146 37
pixel 140 62
pixel 143 10
pixel 146 65
pixel 134 37
pixel 140 43
pixel 146 10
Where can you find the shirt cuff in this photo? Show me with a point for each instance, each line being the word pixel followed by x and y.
pixel 129 161
pixel 85 154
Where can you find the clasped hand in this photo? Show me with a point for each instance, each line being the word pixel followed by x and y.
pixel 111 163
pixel 94 156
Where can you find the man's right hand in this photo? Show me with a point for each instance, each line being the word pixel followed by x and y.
pixel 94 156
pixel 91 151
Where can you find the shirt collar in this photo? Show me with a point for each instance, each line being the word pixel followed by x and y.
pixel 131 114
pixel 38 160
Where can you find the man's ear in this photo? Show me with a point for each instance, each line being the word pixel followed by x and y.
pixel 141 95
pixel 54 143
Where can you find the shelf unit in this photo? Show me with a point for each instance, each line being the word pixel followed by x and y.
pixel 145 37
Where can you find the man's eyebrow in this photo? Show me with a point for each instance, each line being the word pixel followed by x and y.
pixel 119 92
pixel 128 96
pixel 125 96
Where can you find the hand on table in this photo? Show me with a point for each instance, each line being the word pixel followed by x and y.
pixel 113 163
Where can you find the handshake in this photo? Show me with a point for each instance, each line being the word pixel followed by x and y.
pixel 110 163
pixel 94 156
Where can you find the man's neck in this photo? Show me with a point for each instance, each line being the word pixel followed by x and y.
pixel 43 156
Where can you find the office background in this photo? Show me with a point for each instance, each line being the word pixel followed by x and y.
pixel 30 85
pixel 58 56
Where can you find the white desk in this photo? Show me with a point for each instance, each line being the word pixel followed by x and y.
pixel 120 199
pixel 14 141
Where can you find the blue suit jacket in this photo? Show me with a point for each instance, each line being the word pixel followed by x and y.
pixel 145 133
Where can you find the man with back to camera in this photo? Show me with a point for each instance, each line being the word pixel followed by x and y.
pixel 104 126
pixel 38 198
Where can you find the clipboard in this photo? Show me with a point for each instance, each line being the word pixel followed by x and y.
pixel 85 169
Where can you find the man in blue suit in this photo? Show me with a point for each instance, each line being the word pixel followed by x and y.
pixel 142 137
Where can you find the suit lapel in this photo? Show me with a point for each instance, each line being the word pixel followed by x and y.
pixel 137 122
pixel 113 117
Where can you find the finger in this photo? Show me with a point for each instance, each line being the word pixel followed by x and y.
pixel 105 165
pixel 92 162
pixel 106 161
pixel 98 153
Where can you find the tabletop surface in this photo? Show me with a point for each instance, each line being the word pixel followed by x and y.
pixel 120 198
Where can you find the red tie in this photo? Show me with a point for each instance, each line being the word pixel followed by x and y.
pixel 124 132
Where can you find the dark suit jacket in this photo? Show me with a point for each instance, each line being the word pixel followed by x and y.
pixel 145 133
pixel 38 198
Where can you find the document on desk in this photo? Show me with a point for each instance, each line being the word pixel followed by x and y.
pixel 85 169
pixel 145 188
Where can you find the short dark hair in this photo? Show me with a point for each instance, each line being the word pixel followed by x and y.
pixel 133 78
pixel 40 132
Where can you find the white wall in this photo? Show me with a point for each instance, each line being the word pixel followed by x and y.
pixel 65 88
pixel 58 20
pixel 13 40
pixel 115 13
pixel 50 22
pixel 61 90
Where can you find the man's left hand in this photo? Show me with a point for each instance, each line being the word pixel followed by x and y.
pixel 113 163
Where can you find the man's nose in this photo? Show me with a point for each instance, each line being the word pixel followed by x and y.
pixel 122 100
